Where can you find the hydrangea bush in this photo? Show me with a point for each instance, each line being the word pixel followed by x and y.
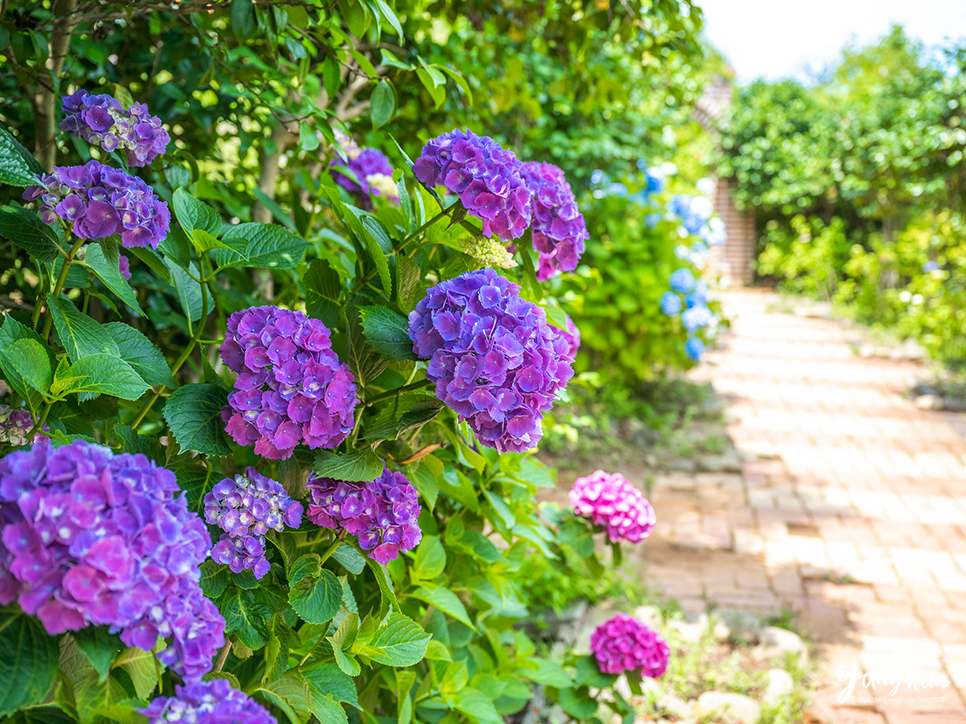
pixel 227 500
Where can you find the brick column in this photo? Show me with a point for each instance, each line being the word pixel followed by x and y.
pixel 734 258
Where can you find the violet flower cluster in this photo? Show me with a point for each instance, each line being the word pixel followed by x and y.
pixel 371 168
pixel 291 387
pixel 15 425
pixel 612 502
pixel 383 513
pixel 495 360
pixel 625 644
pixel 559 230
pixel 246 507
pixel 94 538
pixel 207 702
pixel 103 121
pixel 572 336
pixel 101 201
pixel 486 177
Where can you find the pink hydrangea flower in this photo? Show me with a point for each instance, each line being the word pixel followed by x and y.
pixel 625 644
pixel 612 502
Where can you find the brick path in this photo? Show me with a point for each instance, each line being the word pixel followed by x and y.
pixel 851 510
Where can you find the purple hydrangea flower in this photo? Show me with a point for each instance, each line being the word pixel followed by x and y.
pixel 371 168
pixel 696 317
pixel 15 425
pixel 124 266
pixel 625 644
pixel 572 336
pixel 103 121
pixel 930 266
pixel 246 508
pixel 682 280
pixel 695 348
pixel 291 386
pixel 382 513
pixel 559 231
pixel 494 359
pixel 612 502
pixel 90 537
pixel 670 303
pixel 207 702
pixel 487 179
pixel 102 201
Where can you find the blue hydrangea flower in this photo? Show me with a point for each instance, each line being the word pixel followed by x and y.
pixel 682 281
pixel 655 180
pixel 495 360
pixel 695 348
pixel 696 317
pixel 670 303
pixel 930 266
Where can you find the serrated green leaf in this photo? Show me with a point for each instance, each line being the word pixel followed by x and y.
pixel 214 578
pixel 577 702
pixel 349 558
pixel 325 707
pixel 245 617
pixel 445 600
pixel 143 668
pixel 138 351
pixel 80 335
pixel 194 214
pixel 193 412
pixel 289 694
pixel 30 360
pixel 477 706
pixel 329 679
pixel 188 290
pixel 17 166
pixel 110 274
pixel 28 661
pixel 322 291
pixel 387 332
pixel 408 288
pixel 316 599
pixel 25 229
pixel 400 642
pixel 358 466
pixel 103 374
pixel 100 647
pixel 269 247
pixel 547 672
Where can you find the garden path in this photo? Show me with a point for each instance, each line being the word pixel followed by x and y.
pixel 850 510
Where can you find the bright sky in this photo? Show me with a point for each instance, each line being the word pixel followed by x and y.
pixel 780 38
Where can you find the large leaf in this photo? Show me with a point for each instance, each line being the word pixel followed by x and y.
pixel 193 413
pixel 325 708
pixel 269 247
pixel 289 694
pixel 79 334
pixel 246 617
pixel 445 600
pixel 41 715
pixel 12 331
pixel 110 273
pixel 401 642
pixel 388 332
pixel 143 668
pixel 358 466
pixel 138 351
pixel 430 558
pixel 315 593
pixel 328 678
pixel 30 360
pixel 322 291
pixel 25 229
pixel 108 375
pixel 382 103
pixel 194 214
pixel 17 166
pixel 478 706
pixel 188 290
pixel 28 661
pixel 100 648
pixel 547 672
pixel 408 277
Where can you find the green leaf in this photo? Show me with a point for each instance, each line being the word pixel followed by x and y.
pixel 316 599
pixel 28 661
pixel 243 22
pixel 382 104
pixel 445 600
pixel 30 360
pixel 547 672
pixel 110 274
pixel 11 331
pixel 436 92
pixel 501 508
pixel 15 168
pixel 325 707
pixel 138 351
pixel 322 291
pixel 188 290
pixel 194 214
pixel 80 335
pixel 308 138
pixel 408 288
pixel 350 559
pixel 556 316
pixel 437 651
pixel 401 642
pixel 40 715
pixel 214 578
pixel 387 332
pixel 589 674
pixel 193 413
pixel 330 679
pixel 108 375
pixel 430 558
pixel 358 466
pixel 246 617
pixel 100 648
pixel 477 706
pixel 144 670
pixel 269 247
pixel 290 694
pixel 577 702
pixel 25 229
pixel 272 205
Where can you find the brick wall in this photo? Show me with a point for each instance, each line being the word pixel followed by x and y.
pixel 733 259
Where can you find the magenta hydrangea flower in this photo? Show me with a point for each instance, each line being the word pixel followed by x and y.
pixel 291 387
pixel 485 176
pixel 493 357
pixel 15 425
pixel 559 230
pixel 612 502
pixel 625 644
pixel 90 537
pixel 382 513
pixel 102 201
pixel 207 702
pixel 103 121
pixel 246 507
pixel 124 266
pixel 371 168
pixel 572 335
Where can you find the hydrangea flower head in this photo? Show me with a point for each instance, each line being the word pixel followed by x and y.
pixel 612 502
pixel 15 425
pixel 572 336
pixel 207 702
pixel 371 168
pixel 625 644
pixel 695 348
pixel 94 538
pixel 670 303
pixel 486 178
pixel 101 201
pixel 682 280
pixel 246 507
pixel 656 180
pixel 291 387
pixel 103 121
pixel 382 513
pixel 559 230
pixel 488 251
pixel 495 360
pixel 930 266
pixel 713 232
pixel 696 317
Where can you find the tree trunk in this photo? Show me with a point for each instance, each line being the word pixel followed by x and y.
pixel 44 100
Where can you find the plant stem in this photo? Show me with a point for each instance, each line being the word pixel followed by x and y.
pixel 40 422
pixel 222 656
pixel 332 548
pixel 59 286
